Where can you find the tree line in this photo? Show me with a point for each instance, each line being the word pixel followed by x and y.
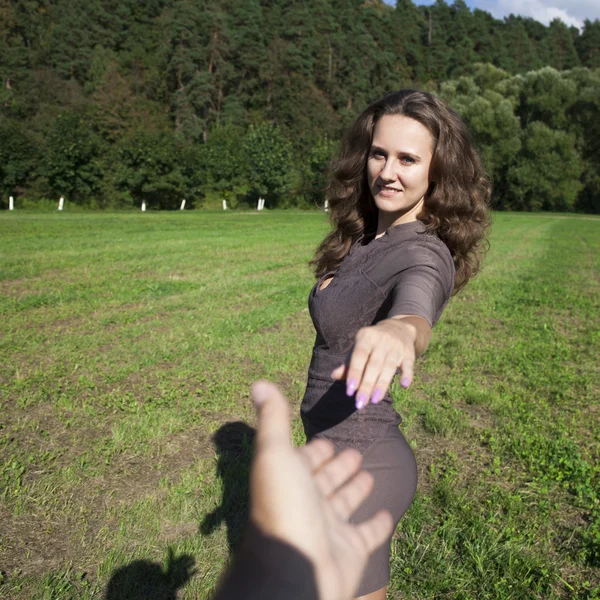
pixel 115 102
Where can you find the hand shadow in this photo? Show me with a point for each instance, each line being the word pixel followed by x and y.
pixel 143 579
pixel 233 443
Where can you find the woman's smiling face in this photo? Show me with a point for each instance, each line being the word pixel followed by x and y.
pixel 398 169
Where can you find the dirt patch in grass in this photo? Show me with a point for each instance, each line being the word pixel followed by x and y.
pixel 32 544
pixel 471 455
pixel 479 416
pixel 49 279
pixel 38 431
pixel 43 541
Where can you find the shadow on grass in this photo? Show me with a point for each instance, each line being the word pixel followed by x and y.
pixel 233 443
pixel 143 579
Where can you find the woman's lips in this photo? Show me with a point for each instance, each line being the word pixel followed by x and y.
pixel 388 192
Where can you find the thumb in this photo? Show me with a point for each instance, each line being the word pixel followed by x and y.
pixel 339 372
pixel 273 416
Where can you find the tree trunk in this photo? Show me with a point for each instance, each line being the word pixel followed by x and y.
pixel 180 85
pixel 430 28
pixel 219 100
pixel 211 59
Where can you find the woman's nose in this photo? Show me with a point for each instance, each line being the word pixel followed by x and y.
pixel 388 172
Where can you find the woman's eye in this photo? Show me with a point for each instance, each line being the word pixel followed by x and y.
pixel 377 154
pixel 408 160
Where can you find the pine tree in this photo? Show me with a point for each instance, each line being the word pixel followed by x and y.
pixel 559 46
pixel 588 44
pixel 459 39
pixel 484 33
pixel 407 25
pixel 522 55
pixel 437 58
pixel 198 47
pixel 390 69
pixel 248 50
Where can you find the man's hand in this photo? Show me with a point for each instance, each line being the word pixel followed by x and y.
pixel 304 497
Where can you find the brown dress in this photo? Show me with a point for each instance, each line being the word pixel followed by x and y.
pixel 407 271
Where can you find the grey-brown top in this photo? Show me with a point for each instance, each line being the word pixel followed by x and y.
pixel 407 271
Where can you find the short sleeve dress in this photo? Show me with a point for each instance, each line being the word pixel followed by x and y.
pixel 407 271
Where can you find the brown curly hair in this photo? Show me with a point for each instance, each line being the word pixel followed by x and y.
pixel 456 205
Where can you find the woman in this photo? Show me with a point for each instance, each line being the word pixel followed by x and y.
pixel 408 202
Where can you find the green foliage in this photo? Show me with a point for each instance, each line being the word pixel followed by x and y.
pixel 583 115
pixel 547 171
pixel 150 170
pixel 225 162
pixel 588 44
pixel 269 159
pixel 314 176
pixel 18 157
pixel 546 95
pixel 191 69
pixel 560 46
pixel 493 124
pixel 536 133
pixel 72 158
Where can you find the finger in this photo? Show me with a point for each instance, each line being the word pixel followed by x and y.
pixel 373 368
pixel 337 471
pixel 407 368
pixel 358 361
pixel 273 416
pixel 348 498
pixel 339 372
pixel 317 453
pixel 376 530
pixel 384 381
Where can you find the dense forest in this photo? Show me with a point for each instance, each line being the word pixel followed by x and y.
pixel 115 102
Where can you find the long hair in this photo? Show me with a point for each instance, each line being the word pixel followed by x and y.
pixel 456 205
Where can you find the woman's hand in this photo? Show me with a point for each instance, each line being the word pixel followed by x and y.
pixel 378 352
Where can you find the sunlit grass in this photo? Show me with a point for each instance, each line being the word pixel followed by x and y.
pixel 128 343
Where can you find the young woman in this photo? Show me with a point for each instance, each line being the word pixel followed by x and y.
pixel 409 207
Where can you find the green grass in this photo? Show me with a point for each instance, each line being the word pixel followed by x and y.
pixel 127 346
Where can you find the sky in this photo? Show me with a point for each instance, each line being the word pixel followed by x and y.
pixel 572 12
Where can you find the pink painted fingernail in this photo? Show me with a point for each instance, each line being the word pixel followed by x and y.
pixel 377 395
pixel 361 400
pixel 351 386
pixel 405 382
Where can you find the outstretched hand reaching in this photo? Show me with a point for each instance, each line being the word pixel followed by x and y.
pixel 305 497
pixel 300 503
pixel 378 352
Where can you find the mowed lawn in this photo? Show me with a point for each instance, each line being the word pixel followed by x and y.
pixel 128 343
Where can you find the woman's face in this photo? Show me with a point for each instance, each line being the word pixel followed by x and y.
pixel 398 168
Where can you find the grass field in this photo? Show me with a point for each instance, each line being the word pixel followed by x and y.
pixel 127 347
